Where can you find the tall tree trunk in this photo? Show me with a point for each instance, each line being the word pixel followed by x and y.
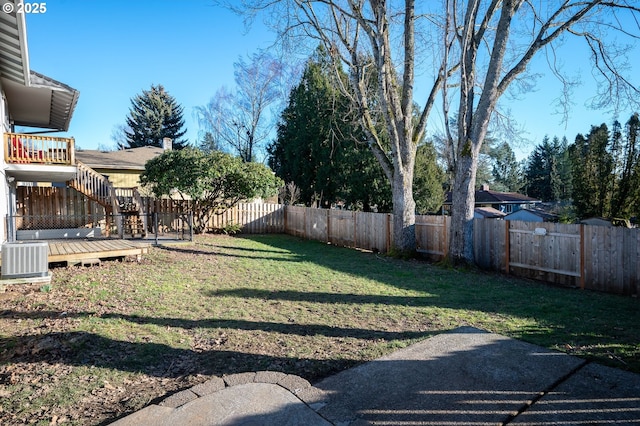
pixel 462 209
pixel 404 212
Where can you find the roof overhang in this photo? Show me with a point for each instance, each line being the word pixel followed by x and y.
pixel 45 103
pixel 40 172
pixel 14 55
pixel 33 99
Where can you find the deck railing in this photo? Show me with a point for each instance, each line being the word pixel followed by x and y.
pixel 95 186
pixel 128 200
pixel 37 149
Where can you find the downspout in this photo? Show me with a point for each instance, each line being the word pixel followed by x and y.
pixel 11 212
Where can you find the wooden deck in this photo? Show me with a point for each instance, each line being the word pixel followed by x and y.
pixel 74 251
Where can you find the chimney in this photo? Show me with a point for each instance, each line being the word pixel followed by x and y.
pixel 167 144
pixel 484 187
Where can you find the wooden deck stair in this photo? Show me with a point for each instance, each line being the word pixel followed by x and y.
pixel 131 207
pixel 125 203
pixel 95 186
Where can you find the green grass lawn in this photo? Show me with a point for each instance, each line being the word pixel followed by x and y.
pixel 105 341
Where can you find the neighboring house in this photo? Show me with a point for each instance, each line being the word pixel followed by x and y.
pixel 506 202
pixel 487 213
pixel 122 167
pixel 532 215
pixel 32 100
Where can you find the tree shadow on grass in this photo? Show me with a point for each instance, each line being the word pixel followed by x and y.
pixel 78 348
pixel 160 360
pixel 550 316
pixel 329 298
pixel 212 253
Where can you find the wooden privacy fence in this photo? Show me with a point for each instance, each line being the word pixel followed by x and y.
pixel 592 257
pixel 365 230
pixel 254 218
pixel 67 205
pixel 369 231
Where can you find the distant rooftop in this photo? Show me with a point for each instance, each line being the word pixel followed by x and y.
pixel 489 212
pixel 544 215
pixel 486 196
pixel 124 159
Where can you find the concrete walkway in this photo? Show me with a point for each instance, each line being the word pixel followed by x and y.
pixel 464 377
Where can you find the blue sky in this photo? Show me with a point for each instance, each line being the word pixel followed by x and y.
pixel 110 50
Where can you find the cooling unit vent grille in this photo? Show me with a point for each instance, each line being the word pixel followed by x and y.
pixel 25 259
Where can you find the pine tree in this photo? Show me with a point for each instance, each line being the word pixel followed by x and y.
pixel 540 171
pixel 153 116
pixel 548 171
pixel 428 180
pixel 317 145
pixel 208 143
pixel 592 171
pixel 626 152
pixel 506 171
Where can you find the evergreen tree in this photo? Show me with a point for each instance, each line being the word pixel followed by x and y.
pixel 539 170
pixel 506 171
pixel 153 116
pixel 208 143
pixel 317 145
pixel 428 180
pixel 592 171
pixel 563 189
pixel 606 170
pixel 305 151
pixel 548 172
pixel 626 151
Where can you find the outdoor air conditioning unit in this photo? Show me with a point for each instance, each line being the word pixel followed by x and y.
pixel 25 259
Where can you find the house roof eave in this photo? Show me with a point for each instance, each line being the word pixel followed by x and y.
pixel 33 100
pixel 14 58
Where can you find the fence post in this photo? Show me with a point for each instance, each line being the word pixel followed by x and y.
pixel 388 232
pixel 355 229
pixel 155 225
pixel 582 256
pixel 328 225
pixel 507 246
pixel 304 223
pixel 286 224
pixel 191 226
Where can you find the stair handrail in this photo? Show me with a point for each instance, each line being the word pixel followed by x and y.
pixel 94 185
pixel 97 187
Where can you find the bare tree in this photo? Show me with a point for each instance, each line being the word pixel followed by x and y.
pixel 477 49
pixel 491 44
pixel 239 120
pixel 289 194
pixel 119 135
